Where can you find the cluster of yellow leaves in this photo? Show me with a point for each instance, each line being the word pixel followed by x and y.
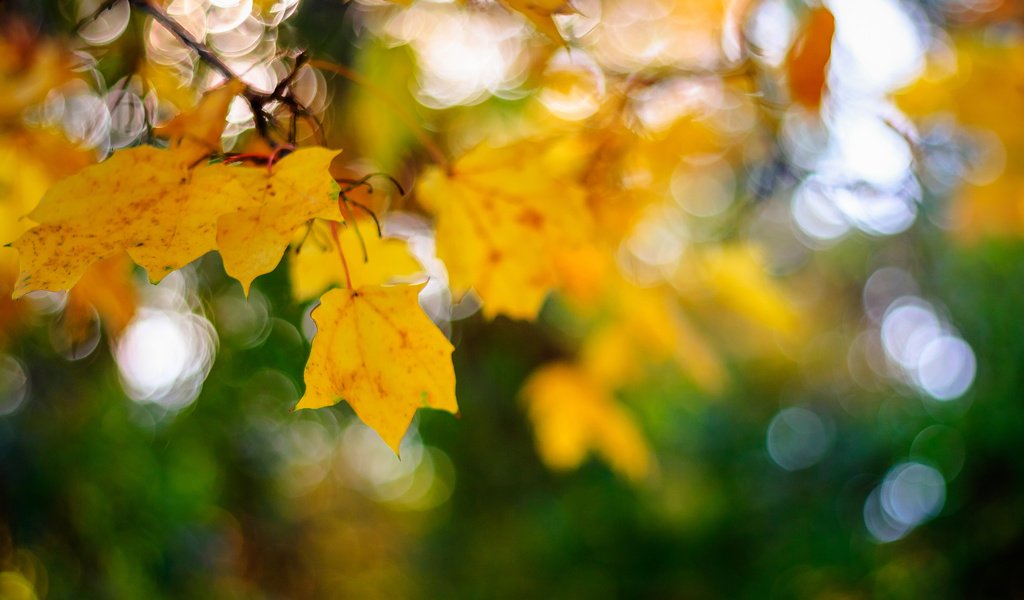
pixel 734 278
pixel 631 329
pixel 538 216
pixel 513 224
pixel 167 207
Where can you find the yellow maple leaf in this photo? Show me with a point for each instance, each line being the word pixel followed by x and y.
pixel 29 72
pixel 143 200
pixel 376 349
pixel 296 189
pixel 573 414
pixel 316 265
pixel 502 213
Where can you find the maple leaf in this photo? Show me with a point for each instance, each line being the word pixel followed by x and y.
pixel 296 189
pixel 573 414
pixel 143 200
pixel 502 213
pixel 376 349
pixel 316 265
pixel 807 62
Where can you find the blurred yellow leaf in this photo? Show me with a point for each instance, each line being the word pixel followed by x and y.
pixel 583 273
pixel 196 132
pixel 168 85
pixel 502 213
pixel 376 349
pixel 273 203
pixel 32 159
pixel 572 415
pixel 646 327
pixel 316 265
pixel 28 72
pixel 737 277
pixel 107 286
pixel 23 181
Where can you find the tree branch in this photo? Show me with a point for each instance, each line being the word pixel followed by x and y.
pixel 257 100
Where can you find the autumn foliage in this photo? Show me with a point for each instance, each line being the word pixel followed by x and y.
pixel 659 187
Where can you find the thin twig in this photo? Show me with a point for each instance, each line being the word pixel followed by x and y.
pixel 90 19
pixel 258 101
pixel 205 54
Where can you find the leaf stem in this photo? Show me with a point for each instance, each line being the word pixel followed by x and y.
pixel 341 253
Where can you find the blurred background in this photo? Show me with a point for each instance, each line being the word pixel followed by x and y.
pixel 789 367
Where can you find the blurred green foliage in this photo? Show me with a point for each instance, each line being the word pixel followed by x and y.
pixel 114 504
